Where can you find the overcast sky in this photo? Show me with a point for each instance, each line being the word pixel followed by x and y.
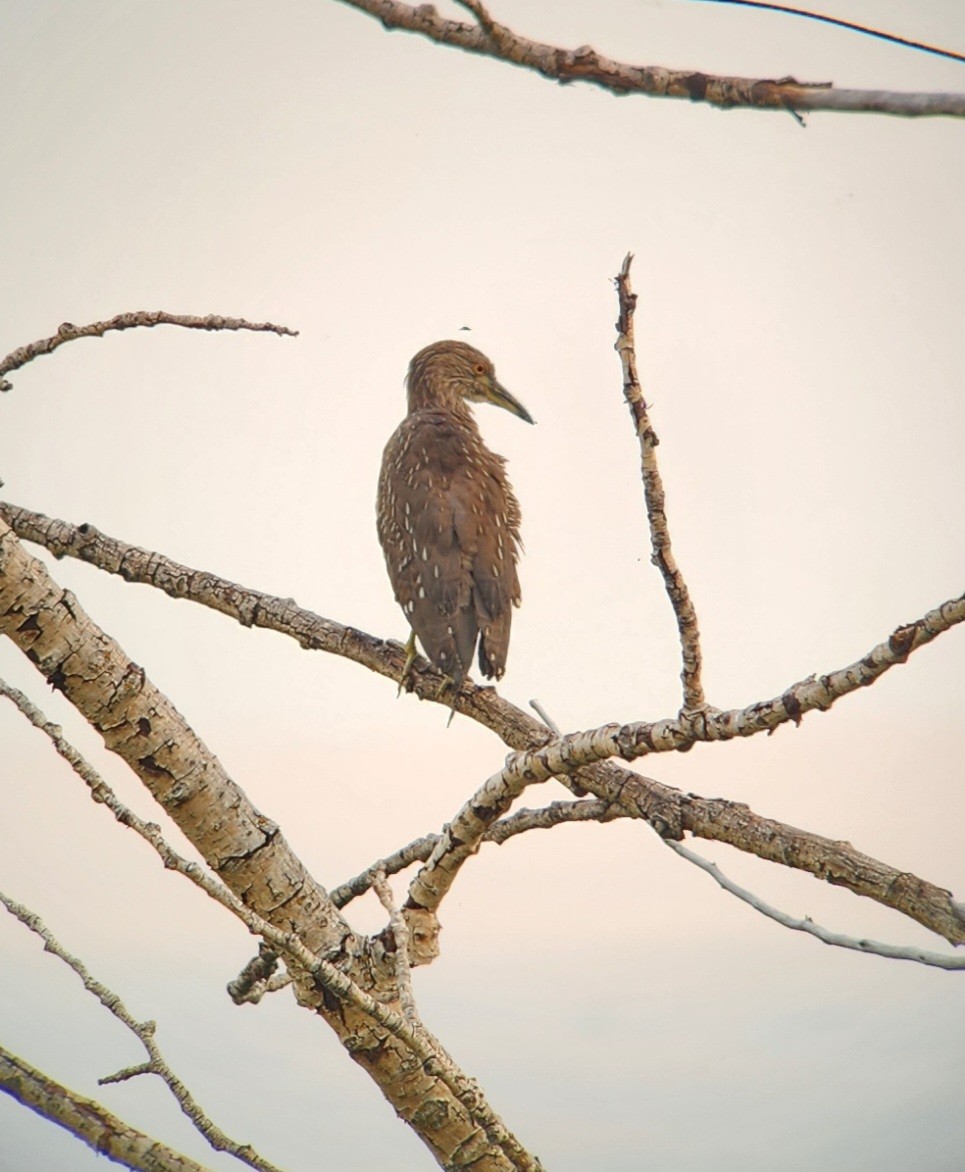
pixel 800 338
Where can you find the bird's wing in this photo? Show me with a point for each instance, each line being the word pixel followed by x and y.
pixel 426 534
pixel 449 525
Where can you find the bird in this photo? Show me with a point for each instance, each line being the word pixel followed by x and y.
pixel 447 517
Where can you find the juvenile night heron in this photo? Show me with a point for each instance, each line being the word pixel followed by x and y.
pixel 448 519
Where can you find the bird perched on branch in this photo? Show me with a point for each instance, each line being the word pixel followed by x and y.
pixel 448 519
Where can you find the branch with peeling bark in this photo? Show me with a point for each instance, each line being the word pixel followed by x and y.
pixel 486 37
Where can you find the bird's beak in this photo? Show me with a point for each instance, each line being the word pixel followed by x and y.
pixel 497 394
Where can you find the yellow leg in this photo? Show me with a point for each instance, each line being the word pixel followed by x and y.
pixel 410 654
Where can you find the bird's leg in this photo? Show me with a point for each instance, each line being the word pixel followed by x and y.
pixel 455 692
pixel 410 654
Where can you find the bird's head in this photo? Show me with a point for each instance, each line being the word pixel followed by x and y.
pixel 444 373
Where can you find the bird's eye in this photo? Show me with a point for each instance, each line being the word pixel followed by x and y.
pixel 479 368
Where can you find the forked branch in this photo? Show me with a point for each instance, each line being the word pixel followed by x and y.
pixel 488 38
pixel 145 1032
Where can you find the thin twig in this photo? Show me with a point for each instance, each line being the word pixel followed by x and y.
pixel 837 22
pixel 400 935
pixel 127 321
pixel 144 1031
pixel 825 935
pixel 586 65
pixel 662 556
pixel 545 718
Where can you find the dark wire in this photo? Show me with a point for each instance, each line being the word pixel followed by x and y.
pixel 857 28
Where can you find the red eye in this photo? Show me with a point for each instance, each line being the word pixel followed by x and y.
pixel 479 368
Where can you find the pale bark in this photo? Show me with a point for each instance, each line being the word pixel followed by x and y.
pixel 88 1121
pixel 444 1107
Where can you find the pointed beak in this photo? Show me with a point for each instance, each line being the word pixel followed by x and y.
pixel 497 394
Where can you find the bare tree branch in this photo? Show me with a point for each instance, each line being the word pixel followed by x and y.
pixel 662 557
pixel 88 1120
pixel 669 811
pixel 570 754
pixel 311 631
pixel 133 718
pixel 144 1031
pixel 837 939
pixel 127 321
pixel 309 967
pixel 139 724
pixel 489 39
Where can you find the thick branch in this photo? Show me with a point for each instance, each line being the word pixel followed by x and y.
pixel 88 1120
pixel 252 858
pixel 260 971
pixel 490 39
pixel 662 557
pixel 128 321
pixel 143 727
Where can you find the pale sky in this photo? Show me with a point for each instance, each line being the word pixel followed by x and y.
pixel 800 338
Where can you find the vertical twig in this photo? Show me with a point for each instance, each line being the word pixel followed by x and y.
pixel 400 933
pixel 662 556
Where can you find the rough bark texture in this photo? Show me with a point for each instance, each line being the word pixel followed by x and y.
pixel 491 39
pixel 89 1121
pixel 671 812
pixel 247 850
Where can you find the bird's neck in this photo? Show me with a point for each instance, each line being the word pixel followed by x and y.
pixel 430 394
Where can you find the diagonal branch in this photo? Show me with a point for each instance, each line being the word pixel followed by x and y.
pixel 668 810
pixel 488 38
pixel 87 1120
pixel 127 321
pixel 544 818
pixel 139 724
pixel 462 837
pixel 808 926
pixel 568 756
pixel 662 556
